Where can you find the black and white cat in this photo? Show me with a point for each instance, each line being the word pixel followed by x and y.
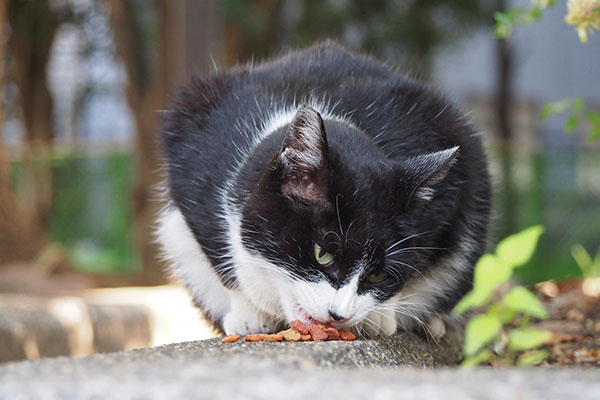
pixel 325 187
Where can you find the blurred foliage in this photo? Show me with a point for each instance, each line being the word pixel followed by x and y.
pixel 504 322
pixel 92 211
pixel 406 31
pixel 577 116
pixel 506 21
pixel 589 267
pixel 567 209
pixel 584 15
pixel 91 215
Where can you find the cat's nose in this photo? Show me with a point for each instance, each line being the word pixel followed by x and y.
pixel 336 317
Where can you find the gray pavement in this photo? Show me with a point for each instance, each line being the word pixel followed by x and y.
pixel 368 369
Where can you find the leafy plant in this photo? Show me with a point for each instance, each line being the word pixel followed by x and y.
pixel 505 21
pixel 589 267
pixel 505 322
pixel 577 115
pixel 584 15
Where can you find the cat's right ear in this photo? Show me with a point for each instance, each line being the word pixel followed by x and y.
pixel 427 170
pixel 304 161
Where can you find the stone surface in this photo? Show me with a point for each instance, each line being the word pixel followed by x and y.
pixel 363 369
pixel 98 320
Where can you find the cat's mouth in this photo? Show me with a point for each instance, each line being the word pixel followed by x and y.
pixel 309 319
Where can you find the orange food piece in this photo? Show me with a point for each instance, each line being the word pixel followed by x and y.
pixel 291 335
pixel 305 338
pixel 317 331
pixel 230 338
pixel 299 326
pixel 347 336
pixel 254 337
pixel 275 337
pixel 332 333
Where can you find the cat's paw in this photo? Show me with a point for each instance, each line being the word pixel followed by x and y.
pixel 243 318
pixel 379 323
pixel 238 324
pixel 434 328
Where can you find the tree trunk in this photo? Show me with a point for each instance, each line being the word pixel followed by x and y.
pixel 504 99
pixel 183 38
pixel 145 93
pixel 33 27
pixel 21 219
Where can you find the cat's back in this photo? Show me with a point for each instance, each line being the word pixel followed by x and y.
pixel 215 122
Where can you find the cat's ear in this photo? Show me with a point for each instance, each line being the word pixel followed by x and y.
pixel 304 160
pixel 426 170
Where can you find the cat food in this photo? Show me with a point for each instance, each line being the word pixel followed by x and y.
pixel 299 326
pixel 318 333
pixel 347 336
pixel 298 332
pixel 332 333
pixel 291 335
pixel 230 339
pixel 254 337
pixel 275 337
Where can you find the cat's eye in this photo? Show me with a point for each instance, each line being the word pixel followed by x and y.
pixel 322 257
pixel 377 277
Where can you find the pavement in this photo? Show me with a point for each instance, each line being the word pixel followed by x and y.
pixel 385 368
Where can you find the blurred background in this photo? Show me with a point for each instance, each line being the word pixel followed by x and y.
pixel 82 83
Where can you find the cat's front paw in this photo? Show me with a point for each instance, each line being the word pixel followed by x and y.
pixel 434 328
pixel 238 324
pixel 379 323
pixel 243 318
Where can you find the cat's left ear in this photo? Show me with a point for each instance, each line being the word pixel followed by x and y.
pixel 304 161
pixel 426 170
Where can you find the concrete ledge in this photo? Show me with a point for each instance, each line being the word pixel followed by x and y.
pixel 207 369
pixel 96 321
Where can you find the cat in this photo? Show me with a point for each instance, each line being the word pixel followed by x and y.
pixel 322 186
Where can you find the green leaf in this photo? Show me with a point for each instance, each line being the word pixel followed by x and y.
pixel 593 118
pixel 547 110
pixel 532 358
pixel 469 301
pixel 489 274
pixel 594 133
pixel 577 106
pixel 477 359
pixel 535 13
pixel 527 338
pixel 571 124
pixel 582 259
pixel 506 315
pixel 554 107
pixel 520 299
pixel 503 18
pixel 517 249
pixel 479 331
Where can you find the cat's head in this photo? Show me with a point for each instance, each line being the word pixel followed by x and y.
pixel 342 227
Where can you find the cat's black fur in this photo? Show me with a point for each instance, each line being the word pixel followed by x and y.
pixel 364 195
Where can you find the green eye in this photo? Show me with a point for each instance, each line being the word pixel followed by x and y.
pixel 322 257
pixel 377 277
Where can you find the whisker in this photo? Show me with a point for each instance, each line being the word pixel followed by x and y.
pixel 405 239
